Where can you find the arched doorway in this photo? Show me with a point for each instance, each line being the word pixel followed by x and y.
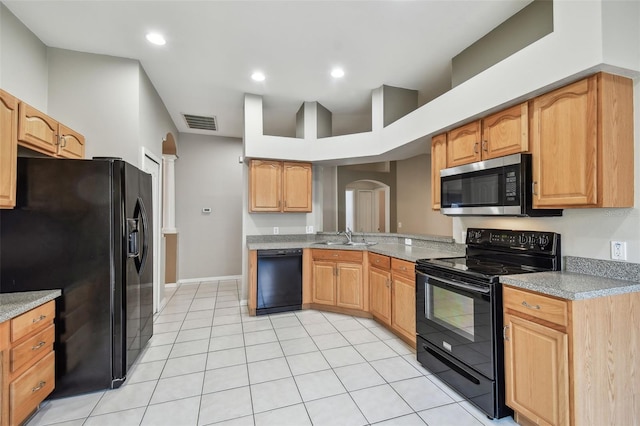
pixel 367 206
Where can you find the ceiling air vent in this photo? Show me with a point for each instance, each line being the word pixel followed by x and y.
pixel 201 122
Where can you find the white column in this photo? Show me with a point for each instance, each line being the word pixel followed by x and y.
pixel 169 194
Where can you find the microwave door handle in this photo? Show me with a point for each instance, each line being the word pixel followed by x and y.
pixel 457 284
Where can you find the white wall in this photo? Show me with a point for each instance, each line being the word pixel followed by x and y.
pixel 413 200
pixel 99 96
pixel 23 61
pixel 208 175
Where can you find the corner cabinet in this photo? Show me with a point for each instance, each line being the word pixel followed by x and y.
pixel 280 186
pixel 570 362
pixel 8 149
pixel 582 144
pixel 338 279
pixel 39 132
pixel 438 162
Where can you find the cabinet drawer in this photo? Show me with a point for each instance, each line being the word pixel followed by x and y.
pixel 32 348
pixel 379 261
pixel 538 306
pixel 403 267
pixel 31 388
pixel 32 320
pixel 340 255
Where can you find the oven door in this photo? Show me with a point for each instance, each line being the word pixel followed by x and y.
pixel 457 318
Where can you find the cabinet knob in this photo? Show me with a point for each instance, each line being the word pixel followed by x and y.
pixel 40 386
pixel 533 188
pixel 484 146
pixel 475 147
pixel 504 333
pixel 40 318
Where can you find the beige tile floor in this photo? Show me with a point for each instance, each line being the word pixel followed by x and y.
pixel 209 363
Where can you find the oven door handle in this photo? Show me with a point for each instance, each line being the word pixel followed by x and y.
pixel 456 284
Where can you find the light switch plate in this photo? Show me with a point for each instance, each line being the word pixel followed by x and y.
pixel 407 241
pixel 276 230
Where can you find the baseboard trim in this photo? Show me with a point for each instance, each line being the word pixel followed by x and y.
pixel 204 279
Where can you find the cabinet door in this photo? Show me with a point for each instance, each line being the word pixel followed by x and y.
pixel 71 143
pixel 37 130
pixel 324 282
pixel 350 292
pixel 403 306
pixel 463 144
pixel 506 132
pixel 536 368
pixel 380 294
pixel 564 133
pixel 296 187
pixel 8 149
pixel 438 162
pixel 265 191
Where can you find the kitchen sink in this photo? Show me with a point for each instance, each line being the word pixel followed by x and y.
pixel 350 243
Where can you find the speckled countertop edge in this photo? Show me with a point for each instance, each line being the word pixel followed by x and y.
pixel 385 245
pixel 571 285
pixel 14 304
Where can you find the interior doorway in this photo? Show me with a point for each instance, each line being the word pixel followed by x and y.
pixel 151 165
pixel 367 206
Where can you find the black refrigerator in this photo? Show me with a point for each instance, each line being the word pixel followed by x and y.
pixel 84 226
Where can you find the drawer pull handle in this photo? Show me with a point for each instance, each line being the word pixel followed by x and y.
pixel 40 386
pixel 504 333
pixel 526 305
pixel 40 318
pixel 403 268
pixel 335 255
pixel 38 346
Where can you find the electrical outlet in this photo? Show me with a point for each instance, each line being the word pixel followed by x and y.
pixel 407 241
pixel 619 250
pixel 399 224
pixel 310 229
pixel 463 237
pixel 276 230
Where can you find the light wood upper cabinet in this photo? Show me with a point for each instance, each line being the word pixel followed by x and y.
pixel 567 362
pixel 463 144
pixel 8 149
pixel 503 133
pixel 582 144
pixel 277 186
pixel 71 143
pixel 438 162
pixel 265 186
pixel 41 133
pixel 506 132
pixel 297 181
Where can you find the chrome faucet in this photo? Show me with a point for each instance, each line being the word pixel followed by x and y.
pixel 348 233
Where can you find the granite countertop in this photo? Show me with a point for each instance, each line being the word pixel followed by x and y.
pixel 571 285
pixel 14 304
pixel 400 251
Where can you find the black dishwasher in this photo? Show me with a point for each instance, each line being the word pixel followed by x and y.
pixel 279 281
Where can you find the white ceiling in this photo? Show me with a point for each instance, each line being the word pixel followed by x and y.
pixel 214 46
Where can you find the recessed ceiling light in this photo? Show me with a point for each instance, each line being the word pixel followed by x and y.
pixel 337 73
pixel 156 38
pixel 258 76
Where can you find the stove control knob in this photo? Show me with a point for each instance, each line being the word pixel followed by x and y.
pixel 543 240
pixel 523 239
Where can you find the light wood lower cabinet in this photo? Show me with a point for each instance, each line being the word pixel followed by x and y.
pixel 572 362
pixel 27 359
pixel 403 299
pixel 380 289
pixel 338 279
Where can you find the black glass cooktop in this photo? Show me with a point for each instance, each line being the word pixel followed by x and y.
pixel 479 266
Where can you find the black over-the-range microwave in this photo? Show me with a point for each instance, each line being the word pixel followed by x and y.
pixel 497 187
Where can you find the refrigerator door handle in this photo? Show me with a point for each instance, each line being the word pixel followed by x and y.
pixel 141 212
